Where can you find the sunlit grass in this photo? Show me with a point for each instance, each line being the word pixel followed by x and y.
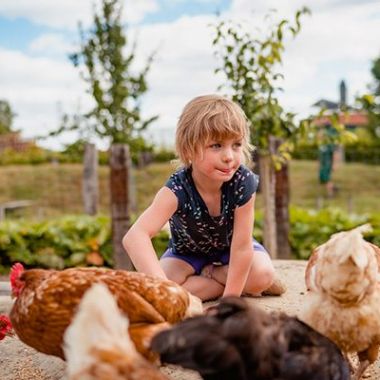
pixel 56 189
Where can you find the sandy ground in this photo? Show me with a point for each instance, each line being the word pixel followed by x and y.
pixel 20 362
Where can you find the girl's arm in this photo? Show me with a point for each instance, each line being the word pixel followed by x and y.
pixel 241 249
pixel 137 241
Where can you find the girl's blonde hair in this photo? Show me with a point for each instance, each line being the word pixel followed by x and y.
pixel 210 117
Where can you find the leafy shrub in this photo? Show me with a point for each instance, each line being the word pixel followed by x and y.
pixel 59 243
pixel 311 228
pixel 31 155
pixel 84 240
pixel 360 151
pixel 163 155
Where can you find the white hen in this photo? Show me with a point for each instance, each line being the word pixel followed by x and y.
pixel 97 345
pixel 344 303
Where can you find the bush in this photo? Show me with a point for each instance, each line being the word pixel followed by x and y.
pixel 59 243
pixel 361 151
pixel 30 156
pixel 163 155
pixel 84 240
pixel 311 228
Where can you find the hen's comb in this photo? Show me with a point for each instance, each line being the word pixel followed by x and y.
pixel 15 273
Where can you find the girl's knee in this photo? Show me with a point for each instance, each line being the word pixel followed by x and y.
pixel 175 270
pixel 267 276
pixel 260 279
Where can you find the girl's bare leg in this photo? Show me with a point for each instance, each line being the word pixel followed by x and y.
pixel 204 288
pixel 260 276
pixel 182 273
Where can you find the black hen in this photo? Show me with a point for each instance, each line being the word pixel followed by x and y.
pixel 240 342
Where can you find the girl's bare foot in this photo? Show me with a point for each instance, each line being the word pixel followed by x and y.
pixel 207 271
pixel 276 289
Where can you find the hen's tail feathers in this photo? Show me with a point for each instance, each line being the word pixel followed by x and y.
pixel 363 229
pixel 97 323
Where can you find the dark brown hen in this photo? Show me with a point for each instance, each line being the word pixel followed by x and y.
pixel 240 342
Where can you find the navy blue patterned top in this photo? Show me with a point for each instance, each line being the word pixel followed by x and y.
pixel 193 229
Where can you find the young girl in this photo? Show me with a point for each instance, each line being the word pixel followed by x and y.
pixel 209 204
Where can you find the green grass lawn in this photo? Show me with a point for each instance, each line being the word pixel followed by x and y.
pixel 56 189
pixel 358 186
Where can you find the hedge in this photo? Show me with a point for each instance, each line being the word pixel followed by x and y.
pixel 83 240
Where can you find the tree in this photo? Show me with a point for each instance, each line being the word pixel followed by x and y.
pixel 250 67
pixel 375 70
pixel 6 117
pixel 371 103
pixel 110 78
pixel 116 90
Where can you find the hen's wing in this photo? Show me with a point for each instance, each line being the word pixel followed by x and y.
pixel 377 253
pixel 169 301
pixel 309 355
pixel 310 268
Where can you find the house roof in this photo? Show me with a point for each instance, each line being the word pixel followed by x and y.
pixel 354 118
pixel 327 104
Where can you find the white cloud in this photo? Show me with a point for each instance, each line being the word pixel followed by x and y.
pixel 183 67
pixel 39 90
pixel 51 44
pixel 337 41
pixel 65 14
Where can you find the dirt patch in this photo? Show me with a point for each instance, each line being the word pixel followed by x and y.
pixel 20 362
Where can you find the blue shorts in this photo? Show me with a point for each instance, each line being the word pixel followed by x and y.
pixel 199 261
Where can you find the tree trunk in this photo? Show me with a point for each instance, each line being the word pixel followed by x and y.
pixel 282 209
pixel 90 188
pixel 120 167
pixel 267 180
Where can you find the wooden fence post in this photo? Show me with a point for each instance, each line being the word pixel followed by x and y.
pixel 90 187
pixel 267 182
pixel 282 196
pixel 120 172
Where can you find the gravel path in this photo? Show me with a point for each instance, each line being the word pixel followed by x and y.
pixel 20 362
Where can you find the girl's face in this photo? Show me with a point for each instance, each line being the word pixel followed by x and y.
pixel 219 160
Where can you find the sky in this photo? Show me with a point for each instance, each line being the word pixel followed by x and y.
pixel 339 40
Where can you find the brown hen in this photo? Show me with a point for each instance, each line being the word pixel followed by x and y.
pixel 344 302
pixel 97 344
pixel 47 299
